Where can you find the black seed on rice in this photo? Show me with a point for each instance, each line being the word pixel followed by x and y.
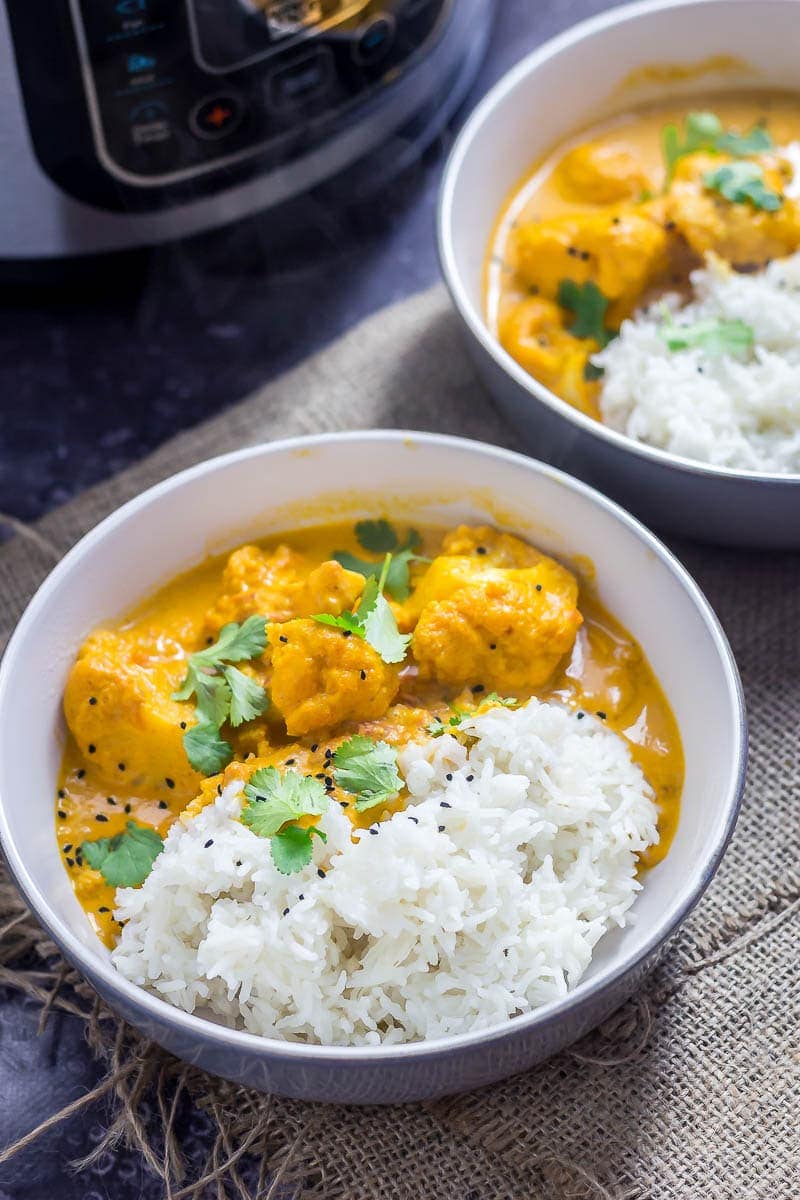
pixel 101 817
pixel 210 842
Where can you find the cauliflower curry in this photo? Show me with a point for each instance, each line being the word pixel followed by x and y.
pixel 620 216
pixel 277 653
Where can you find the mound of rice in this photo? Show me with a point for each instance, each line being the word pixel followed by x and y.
pixel 728 411
pixel 484 898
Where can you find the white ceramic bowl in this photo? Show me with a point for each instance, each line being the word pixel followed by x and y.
pixel 570 83
pixel 266 489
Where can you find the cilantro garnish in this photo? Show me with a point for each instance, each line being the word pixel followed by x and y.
pixel 589 306
pixel 743 183
pixel 379 537
pixel 369 770
pixel 373 620
pixel 398 583
pixel 438 727
pixel 715 336
pixel 506 701
pixel 126 859
pixel 222 692
pixel 591 372
pixel 274 802
pixel 704 131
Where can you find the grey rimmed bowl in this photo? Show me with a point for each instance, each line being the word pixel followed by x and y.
pixel 425 478
pixel 571 82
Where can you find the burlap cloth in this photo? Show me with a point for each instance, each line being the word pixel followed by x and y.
pixel 691 1090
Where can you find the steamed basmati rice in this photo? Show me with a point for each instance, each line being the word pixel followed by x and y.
pixel 483 899
pixel 728 411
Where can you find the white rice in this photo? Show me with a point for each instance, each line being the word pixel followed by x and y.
pixel 482 900
pixel 728 411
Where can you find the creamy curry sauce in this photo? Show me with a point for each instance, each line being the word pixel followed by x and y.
pixel 631 236
pixel 124 757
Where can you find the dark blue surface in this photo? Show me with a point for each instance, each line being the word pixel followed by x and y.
pixel 99 367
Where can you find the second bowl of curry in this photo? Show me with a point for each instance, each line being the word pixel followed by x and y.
pixel 560 220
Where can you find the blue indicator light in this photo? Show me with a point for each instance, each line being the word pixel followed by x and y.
pixel 140 62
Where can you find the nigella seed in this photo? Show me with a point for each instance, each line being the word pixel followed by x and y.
pixel 282 638
pixel 320 872
pixel 444 804
pixel 183 724
pixel 329 780
pixel 320 775
pixel 101 817
pixel 163 804
pixel 449 776
pixel 363 674
pixel 492 645
pixel 103 908
pixel 210 842
pixel 127 808
pixel 478 688
pixel 373 830
pixel 581 715
pixel 301 896
pixel 345 803
pixel 481 550
pixel 345 633
pixel 470 778
pixel 538 587
pixel 286 912
pixel 315 748
pixel 70 862
pixel 61 793
pixel 601 715
pixel 67 847
pixel 81 773
pixel 169 782
pixel 441 828
pixel 238 862
pixel 93 699
pixel 110 800
pixel 120 766
pixel 414 819
pixel 219 789
pixel 61 814
pixel 289 762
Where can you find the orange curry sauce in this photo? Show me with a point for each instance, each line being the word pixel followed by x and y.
pixel 100 789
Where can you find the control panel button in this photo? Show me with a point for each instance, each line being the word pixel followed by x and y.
pixel 374 40
pixel 150 123
pixel 216 116
pixel 306 78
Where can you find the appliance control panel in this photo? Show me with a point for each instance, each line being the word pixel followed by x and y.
pixel 176 90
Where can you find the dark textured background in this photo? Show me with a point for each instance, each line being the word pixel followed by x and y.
pixel 100 366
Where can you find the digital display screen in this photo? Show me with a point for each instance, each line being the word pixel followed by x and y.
pixel 232 33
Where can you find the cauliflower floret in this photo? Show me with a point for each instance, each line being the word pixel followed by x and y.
pixel 494 548
pixel 601 174
pixel 534 334
pixel 278 585
pixel 322 677
pixel 623 250
pixel 738 232
pixel 118 704
pixel 504 629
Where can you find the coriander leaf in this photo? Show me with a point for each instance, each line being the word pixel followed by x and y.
pixel 213 697
pixel 743 183
pixel 589 306
pixel 714 336
pixel 272 799
pixel 372 589
pixel 703 129
pixel 235 643
pixel 380 630
pixel 126 859
pixel 207 752
pixel 741 145
pixel 291 850
pixel 378 536
pixel 506 701
pixel 346 620
pixel 398 579
pixel 367 769
pixel 248 699
pixel 591 372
